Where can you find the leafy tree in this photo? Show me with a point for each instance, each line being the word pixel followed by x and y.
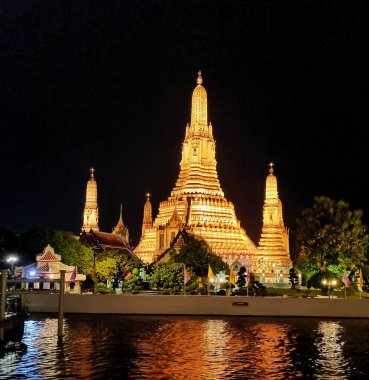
pixel 105 268
pixel 197 255
pixel 169 275
pixel 329 236
pixel 294 279
pixel 64 243
pixel 112 264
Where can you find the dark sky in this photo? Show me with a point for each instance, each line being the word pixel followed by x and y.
pixel 108 84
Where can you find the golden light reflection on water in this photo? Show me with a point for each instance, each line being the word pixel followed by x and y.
pixel 330 351
pixel 214 349
pixel 120 347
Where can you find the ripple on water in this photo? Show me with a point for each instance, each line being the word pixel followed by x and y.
pixel 115 347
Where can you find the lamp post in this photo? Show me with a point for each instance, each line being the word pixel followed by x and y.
pixel 11 260
pixel 329 283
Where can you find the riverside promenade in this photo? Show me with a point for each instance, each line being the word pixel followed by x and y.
pixel 198 305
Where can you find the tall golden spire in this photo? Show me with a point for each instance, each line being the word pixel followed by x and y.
pixel 197 203
pixel 199 111
pixel 271 190
pixel 273 249
pixel 91 211
pixel 198 172
pixel 147 218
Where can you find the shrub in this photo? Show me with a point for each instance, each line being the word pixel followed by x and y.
pixel 101 288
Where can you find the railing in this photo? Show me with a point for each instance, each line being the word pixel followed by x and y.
pixel 4 305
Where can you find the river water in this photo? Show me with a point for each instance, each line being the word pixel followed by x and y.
pixel 137 347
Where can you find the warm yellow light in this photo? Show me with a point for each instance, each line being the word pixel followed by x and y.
pixel 334 282
pixel 324 282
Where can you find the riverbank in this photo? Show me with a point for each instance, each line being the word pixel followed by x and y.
pixel 198 305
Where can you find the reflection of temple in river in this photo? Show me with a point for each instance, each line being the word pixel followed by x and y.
pixel 197 204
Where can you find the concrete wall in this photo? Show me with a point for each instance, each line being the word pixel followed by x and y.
pixel 199 305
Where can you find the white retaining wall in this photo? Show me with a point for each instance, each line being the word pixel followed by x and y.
pixel 198 305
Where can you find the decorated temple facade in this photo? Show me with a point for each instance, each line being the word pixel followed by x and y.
pixel 272 259
pixel 47 267
pixel 197 203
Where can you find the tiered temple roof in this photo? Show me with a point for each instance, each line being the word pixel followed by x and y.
pixel 197 198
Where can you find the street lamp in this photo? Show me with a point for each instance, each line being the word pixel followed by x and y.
pixel 11 260
pixel 329 283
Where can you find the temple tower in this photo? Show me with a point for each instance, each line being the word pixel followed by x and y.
pixel 272 259
pixel 147 217
pixel 197 202
pixel 91 211
pixel 120 228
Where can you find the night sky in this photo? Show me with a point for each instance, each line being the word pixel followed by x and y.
pixel 108 84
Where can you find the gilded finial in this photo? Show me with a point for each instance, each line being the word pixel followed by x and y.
pixel 199 77
pixel 92 172
pixel 271 170
pixel 120 211
pixel 147 196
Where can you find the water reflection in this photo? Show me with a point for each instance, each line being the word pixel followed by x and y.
pixel 116 347
pixel 329 344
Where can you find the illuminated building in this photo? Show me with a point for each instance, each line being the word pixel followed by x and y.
pixel 91 211
pixel 197 205
pixel 197 202
pixel 47 266
pixel 91 236
pixel 272 259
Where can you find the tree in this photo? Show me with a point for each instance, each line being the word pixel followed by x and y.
pixel 112 264
pixel 294 279
pixel 197 255
pixel 168 275
pixel 330 237
pixel 64 243
pixel 105 269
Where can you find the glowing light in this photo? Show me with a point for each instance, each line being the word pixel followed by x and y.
pixel 32 273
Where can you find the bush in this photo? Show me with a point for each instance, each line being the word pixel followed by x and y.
pixel 101 288
pixel 202 291
pixel 221 292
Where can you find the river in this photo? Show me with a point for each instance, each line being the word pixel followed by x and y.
pixel 144 347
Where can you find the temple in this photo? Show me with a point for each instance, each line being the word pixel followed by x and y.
pixel 91 211
pixel 47 267
pixel 197 203
pixel 272 259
